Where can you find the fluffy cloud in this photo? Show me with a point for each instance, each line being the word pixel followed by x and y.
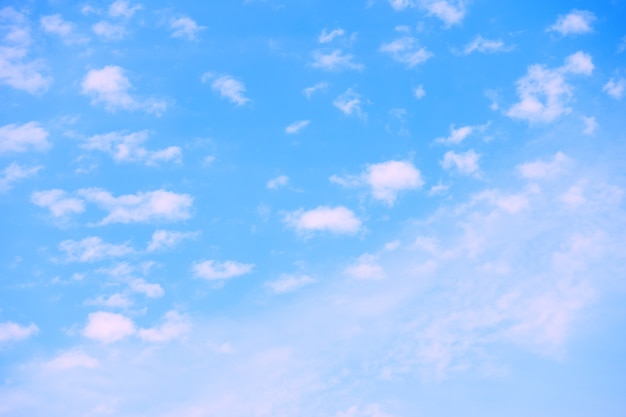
pixel 185 28
pixel 109 31
pixel 335 61
pixel 10 331
pixel 485 46
pixel 615 88
pixel 71 360
pixel 366 267
pixel 542 169
pixel 123 8
pixel 227 87
pixel 15 70
pixel 295 127
pixel 57 201
pixel 458 135
pixel 220 271
pixel 575 22
pixel 406 50
pixel 419 92
pixel 127 147
pixel 288 283
pixel 93 249
pixel 143 207
pixel 385 179
pixel 108 327
pixel 110 87
pixel 14 173
pixel 277 182
pixel 140 286
pixel 326 37
pixel 174 326
pixel 465 163
pixel 23 138
pixel 165 239
pixel 543 92
pixel 450 14
pixel 339 220
pixel 349 102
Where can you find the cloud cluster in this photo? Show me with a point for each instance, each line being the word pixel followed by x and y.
pixel 338 220
pixel 127 147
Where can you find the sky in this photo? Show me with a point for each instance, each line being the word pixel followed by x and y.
pixel 365 208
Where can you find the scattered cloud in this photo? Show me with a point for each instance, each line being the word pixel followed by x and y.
pixel 576 22
pixel 173 326
pixel 349 102
pixel 15 172
pixel 419 92
pixel 127 147
pixel 58 203
pixel 93 249
pixel 541 169
pixel 108 327
pixel 123 8
pixel 54 24
pixel 366 267
pixel 288 283
pixel 295 127
pixel 71 360
pixel 23 138
pixel 406 50
pixel 465 163
pixel 485 46
pixel 590 125
pixel 448 13
pixel 110 86
pixel 386 180
pixel 338 220
pixel 309 91
pixel 109 31
pixel 326 37
pixel 458 135
pixel 13 332
pixel 615 88
pixel 220 271
pixel 543 92
pixel 277 182
pixel 166 239
pixel 185 28
pixel 227 87
pixel 112 301
pixel 335 61
pixel 139 285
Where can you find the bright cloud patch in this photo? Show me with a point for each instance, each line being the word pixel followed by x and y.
pixel 407 51
pixel 575 22
pixel 458 135
pixel 542 169
pixel 165 239
pixel 123 8
pixel 328 36
pixel 615 88
pixel 11 332
pixel 14 173
pixel 295 127
pixel 277 182
pixel 108 327
pixel 366 267
pixel 339 220
pixel 448 13
pixel 174 326
pixel 335 61
pixel 219 271
pixel 185 28
pixel 465 163
pixel 72 360
pixel 227 87
pixel 57 202
pixel 128 147
pixel 349 102
pixel 289 283
pixel 92 249
pixel 23 138
pixel 485 46
pixel 109 31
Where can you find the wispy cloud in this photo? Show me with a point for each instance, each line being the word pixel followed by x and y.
pixel 227 87
pixel 297 126
pixel 339 220
pixel 576 22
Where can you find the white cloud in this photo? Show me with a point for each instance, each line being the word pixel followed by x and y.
pixel 127 147
pixel 406 50
pixel 113 301
pixel 92 249
pixel 109 31
pixel 574 23
pixel 174 326
pixel 288 283
pixel 446 12
pixel 15 70
pixel 326 37
pixel 295 127
pixel 71 360
pixel 366 267
pixel 56 25
pixel 227 87
pixel 335 61
pixel 277 182
pixel 400 4
pixel 419 92
pixel 615 88
pixel 542 169
pixel 57 202
pixel 543 92
pixel 109 86
pixel 386 179
pixel 465 163
pixel 308 92
pixel 459 135
pixel 143 207
pixel 140 286
pixel 590 125
pixel 10 331
pixel 185 27
pixel 219 271
pixel 349 102
pixel 165 239
pixel 14 173
pixel 123 8
pixel 108 327
pixel 339 220
pixel 485 46
pixel 23 138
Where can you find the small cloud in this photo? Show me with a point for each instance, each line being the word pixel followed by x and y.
pixel 335 61
pixel 465 163
pixel 541 169
pixel 71 360
pixel 295 127
pixel 58 203
pixel 458 135
pixel 576 22
pixel 123 8
pixel 450 14
pixel 288 283
pixel 419 92
pixel 366 267
pixel 227 87
pixel 326 37
pixel 54 24
pixel 185 27
pixel 339 220
pixel 139 285
pixel 165 239
pixel 108 327
pixel 113 301
pixel 308 92
pixel 127 147
pixel 109 31
pixel 13 332
pixel 349 102
pixel 485 46
pixel 23 138
pixel 220 271
pixel 14 173
pixel 590 125
pixel 406 50
pixel 615 88
pixel 173 326
pixel 277 182
pixel 93 249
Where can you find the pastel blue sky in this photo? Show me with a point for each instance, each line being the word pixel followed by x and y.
pixel 375 208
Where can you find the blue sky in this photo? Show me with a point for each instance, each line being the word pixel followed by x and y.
pixel 379 208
